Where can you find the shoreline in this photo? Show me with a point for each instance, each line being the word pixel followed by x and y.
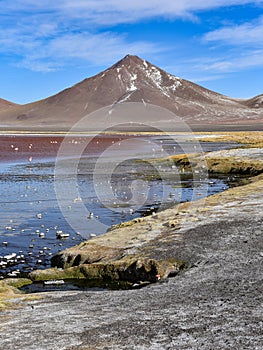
pixel 40 146
pixel 126 251
pixel 209 131
pixel 245 138
pixel 242 161
pixel 214 303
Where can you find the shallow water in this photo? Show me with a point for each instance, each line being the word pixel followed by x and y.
pixel 76 284
pixel 92 184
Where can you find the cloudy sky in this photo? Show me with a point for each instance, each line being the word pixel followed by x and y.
pixel 48 45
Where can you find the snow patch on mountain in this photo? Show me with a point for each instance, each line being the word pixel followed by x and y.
pixel 132 87
pixel 156 77
pixel 133 77
pixel 125 98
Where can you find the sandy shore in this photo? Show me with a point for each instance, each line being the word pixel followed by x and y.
pixel 242 125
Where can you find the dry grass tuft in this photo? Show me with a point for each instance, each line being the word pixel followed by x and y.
pixel 247 138
pixel 10 295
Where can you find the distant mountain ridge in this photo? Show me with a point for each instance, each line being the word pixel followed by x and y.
pixel 4 104
pixel 133 79
pixel 255 102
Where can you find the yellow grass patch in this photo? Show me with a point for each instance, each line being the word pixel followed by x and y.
pixel 248 138
pixel 9 292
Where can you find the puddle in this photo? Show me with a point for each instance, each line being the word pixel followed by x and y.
pixel 75 284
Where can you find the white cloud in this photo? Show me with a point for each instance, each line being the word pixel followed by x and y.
pixel 112 12
pixel 249 34
pixel 119 11
pixel 48 35
pixel 52 52
pixel 45 35
pixel 97 48
pixel 243 47
pixel 221 65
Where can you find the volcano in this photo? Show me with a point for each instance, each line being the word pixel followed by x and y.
pixel 133 79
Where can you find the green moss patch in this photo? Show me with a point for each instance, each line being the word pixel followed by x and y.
pixel 130 269
pixel 219 164
pixel 56 274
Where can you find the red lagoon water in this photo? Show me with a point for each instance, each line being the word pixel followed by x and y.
pixel 30 214
pixel 21 147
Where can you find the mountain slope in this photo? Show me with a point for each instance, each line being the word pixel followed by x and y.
pixel 133 80
pixel 4 104
pixel 255 102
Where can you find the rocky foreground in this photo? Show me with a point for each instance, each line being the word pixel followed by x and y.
pixel 213 303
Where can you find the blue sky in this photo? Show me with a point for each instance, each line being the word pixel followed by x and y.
pixel 47 45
